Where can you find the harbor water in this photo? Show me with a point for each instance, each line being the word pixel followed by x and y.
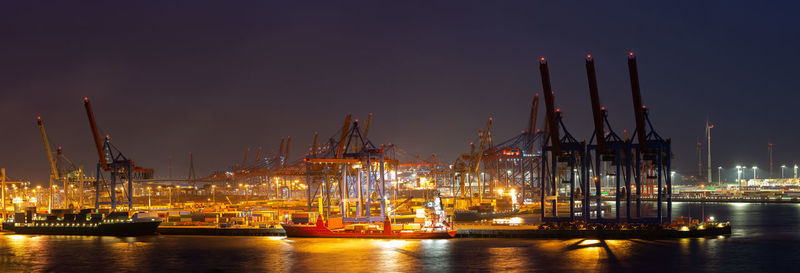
pixel 766 237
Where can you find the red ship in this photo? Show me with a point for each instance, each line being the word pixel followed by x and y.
pixel 320 230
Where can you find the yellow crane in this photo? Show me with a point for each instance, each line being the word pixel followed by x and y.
pixel 67 174
pixel 3 182
pixel 485 140
pixel 54 175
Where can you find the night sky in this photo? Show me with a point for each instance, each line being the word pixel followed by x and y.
pixel 215 77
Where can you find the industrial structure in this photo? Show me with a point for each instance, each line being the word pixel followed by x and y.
pixel 63 171
pixel 547 172
pixel 120 168
pixel 571 167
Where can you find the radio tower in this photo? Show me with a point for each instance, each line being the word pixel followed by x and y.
pixel 708 146
pixel 770 159
pixel 192 177
pixel 699 160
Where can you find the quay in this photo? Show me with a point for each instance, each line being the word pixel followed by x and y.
pixel 216 231
pixel 759 200
pixel 536 231
pixel 476 230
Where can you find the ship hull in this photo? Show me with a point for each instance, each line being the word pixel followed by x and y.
pixel 468 215
pixel 102 229
pixel 309 231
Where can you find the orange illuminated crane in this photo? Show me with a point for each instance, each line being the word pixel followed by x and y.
pixel 115 163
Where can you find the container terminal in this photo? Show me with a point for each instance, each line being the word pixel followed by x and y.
pixel 541 183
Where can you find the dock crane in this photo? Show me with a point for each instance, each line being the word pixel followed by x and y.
pixel 485 141
pixel 51 160
pixel 118 166
pixel 563 159
pixel 466 167
pixel 3 181
pixel 61 169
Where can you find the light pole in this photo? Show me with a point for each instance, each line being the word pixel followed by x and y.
pixel 782 167
pixel 795 171
pixel 738 174
pixel 671 177
pixel 148 198
pixel 719 175
pixel 755 175
pixel 213 195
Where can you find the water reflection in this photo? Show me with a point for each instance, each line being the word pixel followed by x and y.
pixel 765 236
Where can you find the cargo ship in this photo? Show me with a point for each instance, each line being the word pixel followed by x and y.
pixel 113 224
pixel 430 223
pixel 326 229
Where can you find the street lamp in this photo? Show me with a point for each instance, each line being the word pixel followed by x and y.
pixel 755 175
pixel 738 174
pixel 213 194
pixel 782 167
pixel 719 175
pixel 795 171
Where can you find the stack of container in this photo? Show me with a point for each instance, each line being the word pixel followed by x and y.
pixel 304 217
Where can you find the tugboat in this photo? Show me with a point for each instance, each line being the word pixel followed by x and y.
pixel 84 223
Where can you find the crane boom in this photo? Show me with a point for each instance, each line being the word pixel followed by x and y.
pixel 50 159
pixel 244 161
pixel 315 147
pixel 345 129
pixel 280 153
pixel 532 121
pixel 366 126
pixel 534 114
pixel 599 129
pixel 638 107
pixel 286 156
pixel 485 138
pixel 549 101
pixel 98 143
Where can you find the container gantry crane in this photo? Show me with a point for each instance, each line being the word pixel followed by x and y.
pixel 563 159
pixel 118 166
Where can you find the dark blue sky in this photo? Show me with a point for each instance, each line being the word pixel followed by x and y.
pixel 213 77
